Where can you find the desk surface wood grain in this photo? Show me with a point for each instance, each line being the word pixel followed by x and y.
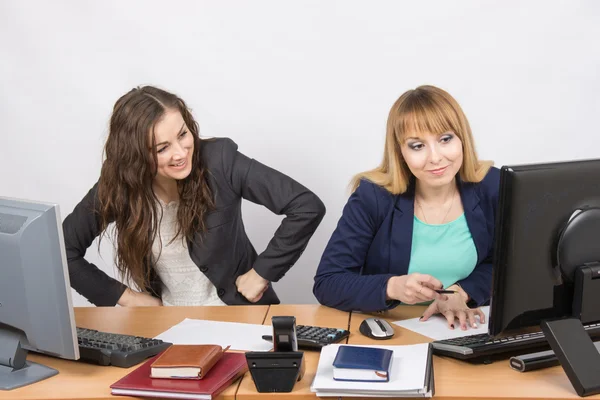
pixel 78 380
pixel 453 379
pixel 456 379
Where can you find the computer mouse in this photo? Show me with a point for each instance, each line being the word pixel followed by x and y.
pixel 376 328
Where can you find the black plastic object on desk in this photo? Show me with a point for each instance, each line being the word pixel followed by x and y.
pixel 284 331
pixel 315 337
pixel 123 351
pixel 576 353
pixel 275 372
pixel 538 360
pixel 279 370
pixel 533 361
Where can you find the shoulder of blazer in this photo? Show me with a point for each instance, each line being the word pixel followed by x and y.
pixel 218 152
pixel 377 198
pixel 489 187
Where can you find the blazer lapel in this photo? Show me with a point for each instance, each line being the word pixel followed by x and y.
pixel 475 218
pixel 401 233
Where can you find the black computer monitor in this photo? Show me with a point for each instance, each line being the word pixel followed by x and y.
pixel 547 252
pixel 36 312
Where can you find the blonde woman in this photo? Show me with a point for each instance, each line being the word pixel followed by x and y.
pixel 422 221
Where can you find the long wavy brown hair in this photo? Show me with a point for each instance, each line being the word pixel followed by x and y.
pixel 125 187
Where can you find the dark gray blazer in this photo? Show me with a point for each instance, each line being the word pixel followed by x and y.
pixel 224 252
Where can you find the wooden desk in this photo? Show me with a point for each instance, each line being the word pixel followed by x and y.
pixel 78 380
pixel 305 315
pixel 453 379
pixel 456 379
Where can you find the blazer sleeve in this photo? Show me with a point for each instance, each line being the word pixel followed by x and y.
pixel 478 284
pixel 281 194
pixel 338 282
pixel 80 228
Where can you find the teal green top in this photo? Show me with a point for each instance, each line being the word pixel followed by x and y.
pixel 446 251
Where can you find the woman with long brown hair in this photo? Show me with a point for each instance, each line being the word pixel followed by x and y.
pixel 173 201
pixel 421 222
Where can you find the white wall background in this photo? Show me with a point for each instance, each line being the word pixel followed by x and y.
pixel 302 86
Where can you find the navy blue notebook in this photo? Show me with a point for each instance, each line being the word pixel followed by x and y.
pixel 364 364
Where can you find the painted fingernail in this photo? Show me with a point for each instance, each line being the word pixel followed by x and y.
pixel 421 318
pixel 451 326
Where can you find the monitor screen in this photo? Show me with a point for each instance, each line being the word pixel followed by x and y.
pixel 535 203
pixel 36 312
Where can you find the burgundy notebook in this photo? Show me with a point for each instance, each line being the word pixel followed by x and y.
pixel 138 382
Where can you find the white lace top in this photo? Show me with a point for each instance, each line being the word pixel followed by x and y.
pixel 182 282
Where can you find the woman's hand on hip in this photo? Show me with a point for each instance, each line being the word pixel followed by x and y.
pixel 455 307
pixel 413 288
pixel 251 285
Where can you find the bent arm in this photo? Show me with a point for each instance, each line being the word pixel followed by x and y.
pixel 282 195
pixel 338 282
pixel 80 228
pixel 478 285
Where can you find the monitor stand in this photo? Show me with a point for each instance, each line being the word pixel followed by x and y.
pixel 15 370
pixel 576 352
pixel 578 258
pixel 568 339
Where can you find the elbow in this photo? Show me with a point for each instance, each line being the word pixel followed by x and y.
pixel 321 207
pixel 327 295
pixel 318 208
pixel 73 253
pixel 318 291
pixel 307 206
pixel 314 211
pixel 321 290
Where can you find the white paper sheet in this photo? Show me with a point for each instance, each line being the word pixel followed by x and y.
pixel 436 327
pixel 239 336
pixel 409 364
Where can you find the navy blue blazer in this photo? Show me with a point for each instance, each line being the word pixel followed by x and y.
pixel 373 240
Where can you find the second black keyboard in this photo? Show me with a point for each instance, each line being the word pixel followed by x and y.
pixel 483 347
pixel 315 337
pixel 116 349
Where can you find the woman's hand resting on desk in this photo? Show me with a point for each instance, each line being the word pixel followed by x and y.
pixel 455 307
pixel 413 288
pixel 131 298
pixel 251 285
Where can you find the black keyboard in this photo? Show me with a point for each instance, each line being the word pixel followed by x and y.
pixel 483 347
pixel 315 337
pixel 115 349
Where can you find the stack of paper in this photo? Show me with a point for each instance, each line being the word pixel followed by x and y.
pixel 411 375
pixel 436 327
pixel 199 331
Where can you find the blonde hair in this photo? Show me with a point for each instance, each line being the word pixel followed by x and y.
pixel 426 109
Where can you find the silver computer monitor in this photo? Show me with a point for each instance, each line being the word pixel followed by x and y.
pixel 36 312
